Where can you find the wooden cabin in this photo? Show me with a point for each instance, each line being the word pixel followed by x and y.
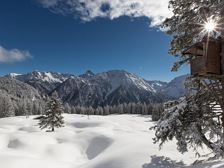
pixel 206 57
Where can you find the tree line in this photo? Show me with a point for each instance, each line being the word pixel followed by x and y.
pixel 127 108
pixel 10 107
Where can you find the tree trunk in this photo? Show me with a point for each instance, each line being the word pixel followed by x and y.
pixel 203 138
pixel 222 63
pixel 221 98
pixel 52 129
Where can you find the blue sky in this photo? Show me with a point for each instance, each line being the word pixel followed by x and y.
pixel 32 37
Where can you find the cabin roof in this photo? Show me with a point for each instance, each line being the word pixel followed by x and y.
pixel 195 50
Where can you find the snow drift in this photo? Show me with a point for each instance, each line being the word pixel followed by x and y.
pixel 116 141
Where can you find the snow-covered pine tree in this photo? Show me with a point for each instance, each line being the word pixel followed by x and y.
pixel 29 108
pixel 19 111
pixel 73 110
pixel 90 110
pixel 157 112
pixel 6 106
pixel 36 108
pixel 106 110
pixel 186 24
pixel 67 108
pixel 100 110
pixel 195 120
pixel 53 114
pixel 120 109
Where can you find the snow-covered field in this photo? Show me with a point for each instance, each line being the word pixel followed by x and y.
pixel 115 141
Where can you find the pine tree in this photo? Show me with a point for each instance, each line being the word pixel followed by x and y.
pixel 6 107
pixel 19 108
pixel 120 109
pixel 73 110
pixel 90 110
pixel 29 108
pixel 36 109
pixel 192 121
pixel 186 24
pixel 157 112
pixel 68 108
pixel 106 110
pixel 53 114
pixel 100 111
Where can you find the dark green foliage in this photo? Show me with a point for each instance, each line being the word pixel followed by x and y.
pixel 53 115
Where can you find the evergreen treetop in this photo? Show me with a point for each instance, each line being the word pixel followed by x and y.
pixel 53 114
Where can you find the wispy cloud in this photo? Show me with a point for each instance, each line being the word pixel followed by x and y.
pixel 13 55
pixel 87 10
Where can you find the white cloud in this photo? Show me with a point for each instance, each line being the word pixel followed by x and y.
pixel 48 3
pixel 155 10
pixel 13 55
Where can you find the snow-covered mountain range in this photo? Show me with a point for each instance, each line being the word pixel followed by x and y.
pixel 44 82
pixel 106 88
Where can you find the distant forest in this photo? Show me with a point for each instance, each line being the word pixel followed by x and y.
pixel 27 107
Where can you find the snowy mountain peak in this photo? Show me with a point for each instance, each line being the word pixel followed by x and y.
pixel 44 82
pixel 106 88
pixel 50 77
pixel 12 75
pixel 90 73
pixel 176 87
pixel 87 74
pixel 157 85
pixel 123 78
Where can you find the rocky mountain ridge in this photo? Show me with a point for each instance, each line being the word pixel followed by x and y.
pixel 106 88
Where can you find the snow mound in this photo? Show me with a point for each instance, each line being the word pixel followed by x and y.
pixel 85 124
pixel 97 145
pixel 116 141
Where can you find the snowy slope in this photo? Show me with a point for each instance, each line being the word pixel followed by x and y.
pixel 122 78
pixel 116 141
pixel 157 85
pixel 17 89
pixel 176 87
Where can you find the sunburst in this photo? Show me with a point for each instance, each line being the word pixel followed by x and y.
pixel 210 26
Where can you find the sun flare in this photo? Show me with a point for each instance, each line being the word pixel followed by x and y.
pixel 210 26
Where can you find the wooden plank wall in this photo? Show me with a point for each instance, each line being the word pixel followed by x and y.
pixel 222 38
